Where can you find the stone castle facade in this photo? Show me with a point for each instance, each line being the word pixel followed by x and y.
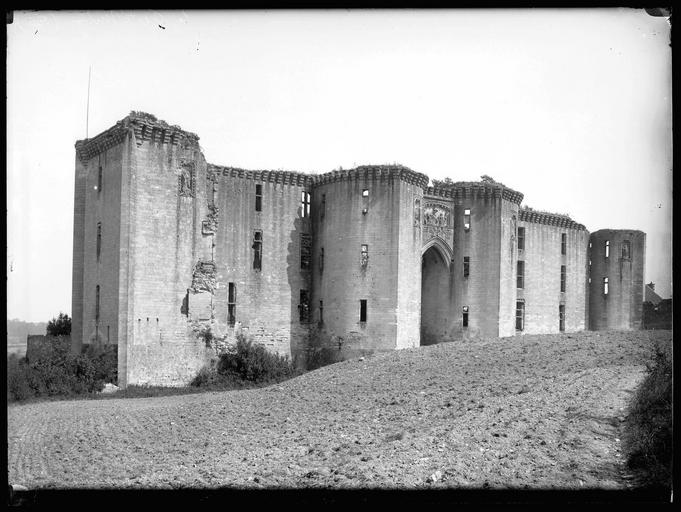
pixel 360 260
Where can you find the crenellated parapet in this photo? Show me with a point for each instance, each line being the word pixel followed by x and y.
pixel 283 177
pixel 374 172
pixel 552 219
pixel 475 190
pixel 145 127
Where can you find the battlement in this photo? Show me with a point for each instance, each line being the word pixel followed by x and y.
pixel 528 214
pixel 146 127
pixel 473 190
pixel 374 172
pixel 284 177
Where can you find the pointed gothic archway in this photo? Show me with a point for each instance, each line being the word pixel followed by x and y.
pixel 435 296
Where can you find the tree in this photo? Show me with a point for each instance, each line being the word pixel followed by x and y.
pixel 60 326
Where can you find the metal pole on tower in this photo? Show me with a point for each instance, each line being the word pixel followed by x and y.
pixel 87 109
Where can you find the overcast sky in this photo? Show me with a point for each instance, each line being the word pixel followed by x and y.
pixel 570 107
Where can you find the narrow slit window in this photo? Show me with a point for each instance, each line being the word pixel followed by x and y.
pixel 322 209
pixel 562 278
pixel 257 250
pixel 321 311
pixel 520 315
pixel 607 248
pixel 605 286
pixel 305 251
pixel 465 316
pixel 108 337
pixel 563 243
pixel 561 317
pixel 364 256
pixel 520 279
pixel 99 239
pixel 231 304
pixel 466 266
pixel 304 307
pixel 99 179
pixel 362 310
pixel 466 219
pixel 305 203
pixel 521 239
pixel 258 198
pixel 97 303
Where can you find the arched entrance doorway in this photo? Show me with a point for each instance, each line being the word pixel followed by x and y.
pixel 435 297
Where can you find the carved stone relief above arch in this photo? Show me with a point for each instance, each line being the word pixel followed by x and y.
pixel 437 222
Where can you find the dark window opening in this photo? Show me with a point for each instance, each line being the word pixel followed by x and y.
pixel 231 304
pixel 321 260
pixel 364 257
pixel 465 316
pixel 562 278
pixel 257 250
pixel 108 337
pixel 607 248
pixel 305 203
pixel 99 239
pixel 99 179
pixel 519 315
pixel 521 239
pixel 605 286
pixel 561 317
pixel 362 310
pixel 520 279
pixel 304 306
pixel 321 311
pixel 466 219
pixel 563 243
pixel 97 303
pixel 258 198
pixel 322 209
pixel 626 250
pixel 305 251
pixel 466 266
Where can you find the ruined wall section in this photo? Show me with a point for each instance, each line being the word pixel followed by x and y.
pixel 268 300
pixel 622 307
pixel 543 260
pixel 508 265
pixel 350 220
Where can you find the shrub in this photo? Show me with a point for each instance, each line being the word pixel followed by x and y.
pixel 18 382
pixel 252 362
pixel 648 438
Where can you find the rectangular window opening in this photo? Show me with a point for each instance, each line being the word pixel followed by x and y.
pixel 364 257
pixel 257 250
pixel 305 203
pixel 519 315
pixel 521 239
pixel 99 239
pixel 365 192
pixel 562 278
pixel 466 219
pixel 607 248
pixel 561 317
pixel 97 303
pixel 362 310
pixel 305 251
pixel 258 198
pixel 626 250
pixel 465 316
pixel 605 286
pixel 563 243
pixel 466 266
pixel 231 304
pixel 99 179
pixel 321 311
pixel 304 307
pixel 520 278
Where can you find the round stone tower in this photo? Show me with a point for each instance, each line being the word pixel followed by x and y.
pixel 617 262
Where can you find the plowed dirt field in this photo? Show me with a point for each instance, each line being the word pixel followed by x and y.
pixel 532 411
